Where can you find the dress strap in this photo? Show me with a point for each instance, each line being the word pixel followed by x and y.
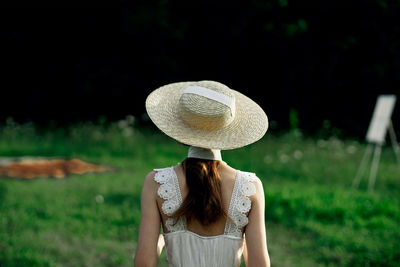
pixel 240 203
pixel 170 192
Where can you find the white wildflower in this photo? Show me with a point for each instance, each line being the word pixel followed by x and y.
pixel 122 124
pixel 321 143
pixel 127 132
pixel 284 158
pixel 351 149
pixel 130 119
pixel 99 199
pixel 298 154
pixel 268 159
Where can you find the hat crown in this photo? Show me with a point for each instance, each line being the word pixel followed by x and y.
pixel 202 112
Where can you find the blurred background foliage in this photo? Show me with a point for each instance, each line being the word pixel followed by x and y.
pixel 328 61
pixel 313 215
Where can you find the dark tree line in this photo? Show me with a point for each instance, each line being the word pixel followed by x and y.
pixel 325 60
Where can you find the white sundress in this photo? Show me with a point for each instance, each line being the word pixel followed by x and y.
pixel 186 248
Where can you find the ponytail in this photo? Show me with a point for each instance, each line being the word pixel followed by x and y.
pixel 204 200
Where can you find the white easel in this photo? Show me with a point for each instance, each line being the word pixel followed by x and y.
pixel 380 123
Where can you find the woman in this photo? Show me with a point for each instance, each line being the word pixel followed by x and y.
pixel 210 213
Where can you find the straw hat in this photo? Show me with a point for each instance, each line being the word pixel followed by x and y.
pixel 206 114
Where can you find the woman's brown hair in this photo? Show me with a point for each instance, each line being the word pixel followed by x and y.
pixel 204 199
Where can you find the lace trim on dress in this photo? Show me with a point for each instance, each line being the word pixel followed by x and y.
pixel 178 225
pixel 240 203
pixel 169 191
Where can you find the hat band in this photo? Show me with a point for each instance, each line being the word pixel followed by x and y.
pixel 204 153
pixel 213 95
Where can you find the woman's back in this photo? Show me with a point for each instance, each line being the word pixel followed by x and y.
pixel 227 177
pixel 191 243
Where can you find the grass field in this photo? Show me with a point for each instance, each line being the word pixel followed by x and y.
pixel 313 216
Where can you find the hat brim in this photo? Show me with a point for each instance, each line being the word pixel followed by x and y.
pixel 249 125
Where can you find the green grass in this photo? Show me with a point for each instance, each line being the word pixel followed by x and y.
pixel 313 216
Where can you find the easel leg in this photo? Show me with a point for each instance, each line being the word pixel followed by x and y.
pixel 363 164
pixel 374 167
pixel 393 138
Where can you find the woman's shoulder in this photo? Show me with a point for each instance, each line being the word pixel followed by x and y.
pixel 249 176
pixel 155 178
pixel 240 174
pixel 251 185
pixel 157 170
pixel 150 185
pixel 159 175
